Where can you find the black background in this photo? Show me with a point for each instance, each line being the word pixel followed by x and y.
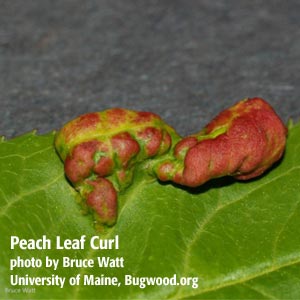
pixel 183 59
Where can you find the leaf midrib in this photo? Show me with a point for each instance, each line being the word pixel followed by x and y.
pixel 208 219
pixel 131 198
pixel 266 271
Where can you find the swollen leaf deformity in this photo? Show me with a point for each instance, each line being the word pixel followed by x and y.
pixel 242 141
pixel 101 150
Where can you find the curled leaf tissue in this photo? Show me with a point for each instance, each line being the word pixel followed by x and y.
pixel 102 150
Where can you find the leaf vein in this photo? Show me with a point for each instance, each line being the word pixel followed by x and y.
pixel 209 218
pixel 266 271
pixel 21 195
pixel 262 292
pixel 276 241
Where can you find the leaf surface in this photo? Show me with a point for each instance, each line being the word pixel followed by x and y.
pixel 241 239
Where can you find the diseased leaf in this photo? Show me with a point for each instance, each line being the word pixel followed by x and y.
pixel 240 238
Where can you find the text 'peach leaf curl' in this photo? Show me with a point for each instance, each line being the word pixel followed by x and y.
pixel 100 150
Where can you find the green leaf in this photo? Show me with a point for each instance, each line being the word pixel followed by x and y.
pixel 241 239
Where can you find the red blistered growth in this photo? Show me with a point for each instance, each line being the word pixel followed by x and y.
pixel 99 145
pixel 247 143
pixel 152 138
pixel 165 143
pixel 182 146
pixel 240 150
pixel 103 200
pixel 105 166
pixel 116 117
pixel 166 171
pixel 84 123
pixel 80 163
pixel 144 117
pixel 274 133
pixel 104 163
pixel 241 108
pixel 255 139
pixel 125 146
